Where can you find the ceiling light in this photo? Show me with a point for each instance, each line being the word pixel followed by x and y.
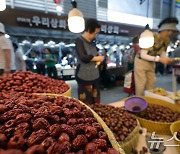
pixel 147 37
pixel 3 5
pixel 59 8
pixel 76 22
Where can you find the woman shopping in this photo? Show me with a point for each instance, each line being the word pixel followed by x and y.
pixel 145 60
pixel 87 72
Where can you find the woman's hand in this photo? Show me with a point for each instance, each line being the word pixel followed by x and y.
pixel 100 58
pixel 165 60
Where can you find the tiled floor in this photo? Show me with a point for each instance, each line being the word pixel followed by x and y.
pixel 116 93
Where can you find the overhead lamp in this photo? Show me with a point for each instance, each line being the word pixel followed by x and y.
pixel 3 5
pixel 146 39
pixel 76 21
pixel 58 7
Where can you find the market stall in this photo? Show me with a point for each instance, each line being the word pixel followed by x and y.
pixel 38 108
pixel 148 127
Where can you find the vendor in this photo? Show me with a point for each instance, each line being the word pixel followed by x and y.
pixel 146 58
pixel 87 72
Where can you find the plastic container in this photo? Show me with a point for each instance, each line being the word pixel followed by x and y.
pixel 135 104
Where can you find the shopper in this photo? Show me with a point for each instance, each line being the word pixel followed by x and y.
pixel 50 62
pixel 132 53
pixel 146 58
pixel 87 72
pixel 7 57
pixel 103 71
pixel 19 61
pixel 40 64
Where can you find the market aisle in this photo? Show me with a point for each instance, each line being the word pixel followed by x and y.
pixel 116 93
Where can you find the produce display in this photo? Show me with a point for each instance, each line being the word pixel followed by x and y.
pixel 36 125
pixel 160 91
pixel 121 122
pixel 31 82
pixel 159 113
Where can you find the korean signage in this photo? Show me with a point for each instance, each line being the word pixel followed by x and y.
pixel 34 19
pixel 55 23
pixel 44 22
pixel 113 29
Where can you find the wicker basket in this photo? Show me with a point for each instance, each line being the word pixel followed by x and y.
pixel 162 128
pixel 67 93
pixel 175 127
pixel 110 135
pixel 131 141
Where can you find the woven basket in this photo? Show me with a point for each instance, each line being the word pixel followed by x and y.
pixel 109 133
pixel 131 141
pixel 162 128
pixel 175 127
pixel 67 93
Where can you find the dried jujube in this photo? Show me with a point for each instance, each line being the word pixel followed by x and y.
pixel 159 113
pixel 25 81
pixel 37 125
pixel 117 119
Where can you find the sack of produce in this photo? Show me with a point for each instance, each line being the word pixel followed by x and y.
pixel 32 124
pixel 25 81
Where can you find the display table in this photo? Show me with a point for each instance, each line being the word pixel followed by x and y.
pixel 142 138
pixel 149 93
pixel 68 71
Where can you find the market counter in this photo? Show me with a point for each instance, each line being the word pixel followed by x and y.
pixel 142 137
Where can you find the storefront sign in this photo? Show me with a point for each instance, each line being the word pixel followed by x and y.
pixel 35 19
pixel 44 21
pixel 110 29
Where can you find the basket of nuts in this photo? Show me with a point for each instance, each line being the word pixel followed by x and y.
pixel 25 81
pixel 175 130
pixel 33 124
pixel 158 116
pixel 124 125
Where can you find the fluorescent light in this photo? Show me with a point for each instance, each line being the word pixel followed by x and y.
pixel 129 18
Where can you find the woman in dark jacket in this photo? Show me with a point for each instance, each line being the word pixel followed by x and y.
pixel 87 72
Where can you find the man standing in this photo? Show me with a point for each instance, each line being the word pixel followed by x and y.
pixel 20 64
pixel 7 58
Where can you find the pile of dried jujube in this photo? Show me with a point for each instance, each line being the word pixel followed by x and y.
pixel 117 119
pixel 37 125
pixel 159 113
pixel 31 82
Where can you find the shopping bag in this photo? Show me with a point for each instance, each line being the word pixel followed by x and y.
pixel 129 84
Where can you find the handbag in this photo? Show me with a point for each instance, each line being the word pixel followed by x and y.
pixel 129 83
